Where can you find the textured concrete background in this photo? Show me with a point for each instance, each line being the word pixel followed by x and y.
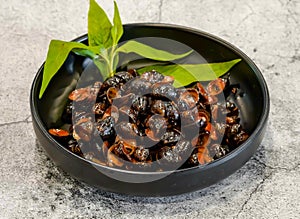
pixel 266 187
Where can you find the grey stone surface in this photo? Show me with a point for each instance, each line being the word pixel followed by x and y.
pixel 266 187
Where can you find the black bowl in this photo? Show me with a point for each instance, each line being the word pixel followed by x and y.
pixel 254 107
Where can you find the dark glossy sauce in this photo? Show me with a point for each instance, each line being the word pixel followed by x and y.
pixel 145 123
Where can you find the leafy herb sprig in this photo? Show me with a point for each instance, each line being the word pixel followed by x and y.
pixel 103 49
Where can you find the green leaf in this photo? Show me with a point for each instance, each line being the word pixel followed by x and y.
pixel 102 66
pixel 99 26
pixel 85 53
pixel 149 52
pixel 57 54
pixel 117 29
pixel 91 51
pixel 142 63
pixel 186 74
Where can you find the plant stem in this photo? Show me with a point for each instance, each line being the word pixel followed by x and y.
pixel 111 62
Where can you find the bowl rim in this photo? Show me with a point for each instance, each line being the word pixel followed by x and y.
pixel 258 129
